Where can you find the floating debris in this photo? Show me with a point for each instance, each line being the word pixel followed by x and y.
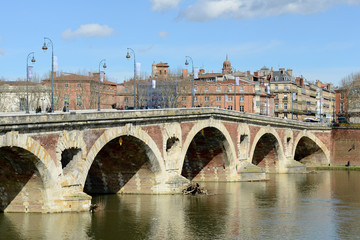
pixel 194 189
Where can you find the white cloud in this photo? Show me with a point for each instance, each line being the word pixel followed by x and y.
pixel 88 30
pixel 164 5
pixel 205 10
pixel 163 34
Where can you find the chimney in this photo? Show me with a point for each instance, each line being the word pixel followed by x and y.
pixel 54 74
pixel 89 74
pixel 185 73
pixel 289 71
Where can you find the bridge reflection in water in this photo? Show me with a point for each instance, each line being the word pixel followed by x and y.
pixel 295 206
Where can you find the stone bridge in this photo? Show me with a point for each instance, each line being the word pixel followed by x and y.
pixel 55 162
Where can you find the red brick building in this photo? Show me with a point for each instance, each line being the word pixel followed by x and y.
pixel 341 105
pixel 81 92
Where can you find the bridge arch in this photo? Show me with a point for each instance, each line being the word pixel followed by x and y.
pixel 310 150
pixel 37 170
pixel 209 130
pixel 112 145
pixel 267 145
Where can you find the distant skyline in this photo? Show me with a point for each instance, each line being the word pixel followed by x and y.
pixel 317 39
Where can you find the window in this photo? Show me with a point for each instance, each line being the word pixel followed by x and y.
pixel 184 89
pixel 276 87
pixel 285 106
pixel 78 100
pixel 218 88
pixel 276 107
pixel 206 99
pixel 229 89
pixel 242 98
pixel 241 108
pixel 66 100
pixel 79 85
pixel 195 88
pixel 126 99
pixel 66 85
pixel 229 107
pixel 341 96
pixel 241 88
pixel 206 89
pixel 126 89
pixel 230 99
pixel 183 99
pixel 195 99
pixel 286 87
pixel 218 99
pixel 22 104
pixel 341 107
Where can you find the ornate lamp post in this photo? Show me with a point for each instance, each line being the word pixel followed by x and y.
pixel 128 56
pixel 192 88
pixel 104 66
pixel 27 79
pixel 52 69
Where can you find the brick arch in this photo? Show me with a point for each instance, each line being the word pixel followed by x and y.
pixel 228 144
pixel 262 132
pixel 315 139
pixel 128 130
pixel 45 166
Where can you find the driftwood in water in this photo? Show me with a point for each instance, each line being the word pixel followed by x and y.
pixel 193 189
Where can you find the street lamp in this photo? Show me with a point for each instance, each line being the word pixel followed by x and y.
pixel 192 89
pixel 104 66
pixel 27 79
pixel 128 56
pixel 52 69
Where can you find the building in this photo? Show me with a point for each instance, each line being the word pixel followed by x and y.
pixel 13 96
pixel 353 97
pixel 297 99
pixel 341 105
pixel 76 91
pixel 210 90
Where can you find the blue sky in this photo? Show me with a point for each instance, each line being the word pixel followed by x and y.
pixel 318 40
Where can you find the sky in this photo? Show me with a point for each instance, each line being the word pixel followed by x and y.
pixel 317 39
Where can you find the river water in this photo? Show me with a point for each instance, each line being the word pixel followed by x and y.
pixel 322 205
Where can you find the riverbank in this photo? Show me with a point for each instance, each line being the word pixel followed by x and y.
pixel 350 168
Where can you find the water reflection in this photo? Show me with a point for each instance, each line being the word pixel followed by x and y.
pixel 289 206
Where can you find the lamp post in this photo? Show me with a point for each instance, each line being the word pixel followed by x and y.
pixel 128 56
pixel 52 69
pixel 104 66
pixel 192 89
pixel 27 79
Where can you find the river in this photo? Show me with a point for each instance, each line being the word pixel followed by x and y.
pixel 322 205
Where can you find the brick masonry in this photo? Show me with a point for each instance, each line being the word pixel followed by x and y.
pixel 143 152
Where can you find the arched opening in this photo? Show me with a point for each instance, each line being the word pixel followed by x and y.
pixel 206 158
pixel 171 142
pixel 265 153
pixel 69 154
pixel 124 165
pixel 21 186
pixel 309 153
